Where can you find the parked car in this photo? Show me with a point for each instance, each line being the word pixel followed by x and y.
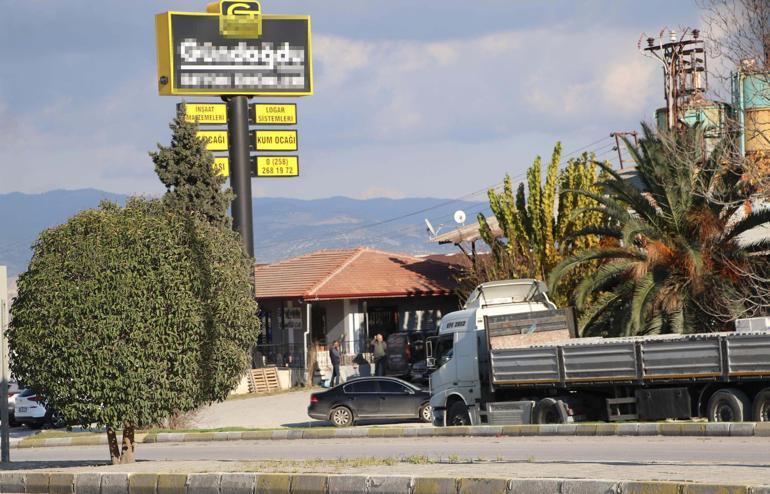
pixel 13 392
pixel 404 351
pixel 370 398
pixel 29 411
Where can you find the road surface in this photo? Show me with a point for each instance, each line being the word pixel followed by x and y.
pixel 705 459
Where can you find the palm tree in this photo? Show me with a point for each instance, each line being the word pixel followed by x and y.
pixel 677 264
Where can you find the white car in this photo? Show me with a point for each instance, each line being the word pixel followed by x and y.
pixel 13 392
pixel 30 411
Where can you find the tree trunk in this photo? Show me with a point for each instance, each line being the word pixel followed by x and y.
pixel 127 450
pixel 112 442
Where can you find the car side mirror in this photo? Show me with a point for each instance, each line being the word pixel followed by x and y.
pixel 430 362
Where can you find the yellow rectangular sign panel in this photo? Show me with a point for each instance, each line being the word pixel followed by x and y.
pixel 216 140
pixel 274 114
pixel 204 113
pixel 277 166
pixel 222 165
pixel 275 140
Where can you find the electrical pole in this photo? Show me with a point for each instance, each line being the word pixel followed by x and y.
pixel 5 451
pixel 618 148
pixel 684 70
pixel 240 174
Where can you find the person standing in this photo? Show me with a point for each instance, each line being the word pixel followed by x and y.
pixel 379 350
pixel 334 356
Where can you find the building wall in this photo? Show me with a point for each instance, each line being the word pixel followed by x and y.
pixel 347 319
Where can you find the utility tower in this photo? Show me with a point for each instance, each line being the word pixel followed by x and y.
pixel 684 69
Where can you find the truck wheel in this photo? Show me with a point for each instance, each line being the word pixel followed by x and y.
pixel 341 417
pixel 762 406
pixel 547 412
pixel 458 414
pixel 729 405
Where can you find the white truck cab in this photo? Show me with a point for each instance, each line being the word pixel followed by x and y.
pixel 456 381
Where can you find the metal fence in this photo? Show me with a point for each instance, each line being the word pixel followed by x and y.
pixel 279 355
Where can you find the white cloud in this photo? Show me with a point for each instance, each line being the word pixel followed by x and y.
pixel 628 85
pixel 484 87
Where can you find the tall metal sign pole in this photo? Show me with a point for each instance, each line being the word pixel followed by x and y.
pixel 5 454
pixel 240 172
pixel 233 51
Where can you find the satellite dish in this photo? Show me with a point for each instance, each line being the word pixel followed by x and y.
pixel 460 216
pixel 431 230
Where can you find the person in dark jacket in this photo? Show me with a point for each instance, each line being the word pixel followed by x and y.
pixel 379 351
pixel 334 356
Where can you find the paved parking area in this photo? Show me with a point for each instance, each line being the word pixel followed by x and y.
pixel 287 409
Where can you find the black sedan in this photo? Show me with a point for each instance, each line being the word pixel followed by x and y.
pixel 370 398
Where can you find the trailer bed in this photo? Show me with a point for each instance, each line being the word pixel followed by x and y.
pixel 644 360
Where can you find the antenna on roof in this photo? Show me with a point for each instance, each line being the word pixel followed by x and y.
pixel 460 217
pixel 431 230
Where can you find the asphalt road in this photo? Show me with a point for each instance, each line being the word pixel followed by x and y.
pixel 713 460
pixel 640 450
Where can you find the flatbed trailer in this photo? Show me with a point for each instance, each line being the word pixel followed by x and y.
pixel 652 377
pixel 519 361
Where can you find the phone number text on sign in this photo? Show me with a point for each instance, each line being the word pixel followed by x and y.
pixel 277 166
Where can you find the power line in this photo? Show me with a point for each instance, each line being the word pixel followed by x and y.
pixel 338 234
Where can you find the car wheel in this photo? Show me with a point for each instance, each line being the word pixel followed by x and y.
pixel 341 417
pixel 55 421
pixel 458 414
pixel 35 425
pixel 425 413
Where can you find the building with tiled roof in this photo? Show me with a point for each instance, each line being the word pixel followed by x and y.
pixel 349 295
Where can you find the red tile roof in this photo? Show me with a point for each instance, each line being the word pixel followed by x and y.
pixel 354 273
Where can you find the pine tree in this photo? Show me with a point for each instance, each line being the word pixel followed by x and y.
pixel 186 169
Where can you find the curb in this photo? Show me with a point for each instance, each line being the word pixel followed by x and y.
pixel 716 429
pixel 276 483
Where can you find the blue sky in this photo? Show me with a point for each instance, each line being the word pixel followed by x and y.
pixel 412 98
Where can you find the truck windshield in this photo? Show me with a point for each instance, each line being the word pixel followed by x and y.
pixel 444 349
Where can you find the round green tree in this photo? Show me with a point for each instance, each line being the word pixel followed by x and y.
pixel 128 315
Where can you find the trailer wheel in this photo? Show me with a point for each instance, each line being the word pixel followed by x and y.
pixel 762 406
pixel 729 405
pixel 458 414
pixel 547 411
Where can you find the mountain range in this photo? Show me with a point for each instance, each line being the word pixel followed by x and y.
pixel 283 227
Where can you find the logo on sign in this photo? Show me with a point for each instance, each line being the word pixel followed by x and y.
pixel 240 19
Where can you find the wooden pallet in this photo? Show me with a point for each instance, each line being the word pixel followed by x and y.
pixel 264 380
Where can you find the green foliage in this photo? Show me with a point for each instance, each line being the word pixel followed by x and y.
pixel 186 169
pixel 127 315
pixel 677 265
pixel 537 226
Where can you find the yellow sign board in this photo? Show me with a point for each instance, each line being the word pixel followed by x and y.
pixel 196 58
pixel 204 113
pixel 216 140
pixel 277 166
pixel 275 140
pixel 273 114
pixel 222 165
